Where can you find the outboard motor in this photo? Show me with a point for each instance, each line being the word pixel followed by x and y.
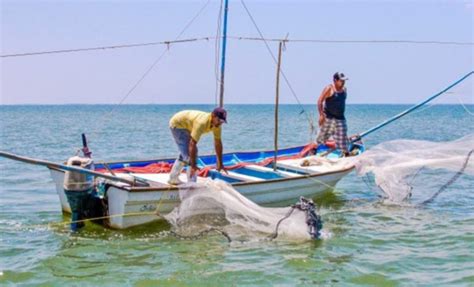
pixel 78 186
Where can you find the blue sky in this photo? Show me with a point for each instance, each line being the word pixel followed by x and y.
pixel 379 73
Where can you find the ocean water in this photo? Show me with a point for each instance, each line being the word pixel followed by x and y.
pixel 371 243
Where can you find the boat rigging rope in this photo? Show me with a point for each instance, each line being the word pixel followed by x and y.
pixel 102 48
pixel 352 41
pixel 107 115
pixel 450 182
pixel 241 38
pixel 281 69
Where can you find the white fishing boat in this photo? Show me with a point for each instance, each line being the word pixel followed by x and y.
pixel 298 173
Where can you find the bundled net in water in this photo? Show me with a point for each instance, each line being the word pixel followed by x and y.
pixel 217 205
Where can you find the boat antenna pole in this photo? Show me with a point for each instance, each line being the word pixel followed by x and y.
pixel 381 125
pixel 224 42
pixel 277 97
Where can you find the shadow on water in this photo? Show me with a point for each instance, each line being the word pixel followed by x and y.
pixel 329 199
pixel 160 230
pixel 94 230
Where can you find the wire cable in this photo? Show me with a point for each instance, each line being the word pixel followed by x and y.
pixel 122 46
pixel 242 38
pixel 276 63
pixel 431 42
pixel 107 115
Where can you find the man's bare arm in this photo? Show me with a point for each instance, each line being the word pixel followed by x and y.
pixel 192 153
pixel 326 93
pixel 219 148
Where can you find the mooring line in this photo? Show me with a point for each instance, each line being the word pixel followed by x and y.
pixel 98 218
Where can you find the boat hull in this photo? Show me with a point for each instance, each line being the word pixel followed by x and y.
pixel 132 207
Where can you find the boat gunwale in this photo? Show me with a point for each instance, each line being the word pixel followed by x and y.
pixel 176 188
pixel 205 155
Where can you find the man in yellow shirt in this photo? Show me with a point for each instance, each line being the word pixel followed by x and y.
pixel 187 127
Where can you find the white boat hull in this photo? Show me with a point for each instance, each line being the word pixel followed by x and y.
pixel 131 207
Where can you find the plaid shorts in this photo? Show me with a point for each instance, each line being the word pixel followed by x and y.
pixel 335 128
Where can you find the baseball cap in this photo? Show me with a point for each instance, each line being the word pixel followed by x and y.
pixel 340 76
pixel 221 114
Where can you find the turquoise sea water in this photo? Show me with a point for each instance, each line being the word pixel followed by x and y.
pixel 371 244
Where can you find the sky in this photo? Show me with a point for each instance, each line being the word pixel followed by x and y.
pixel 379 73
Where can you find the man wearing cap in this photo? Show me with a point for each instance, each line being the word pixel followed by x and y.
pixel 331 107
pixel 187 127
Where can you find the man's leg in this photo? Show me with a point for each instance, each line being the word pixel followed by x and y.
pixel 325 131
pixel 182 138
pixel 77 201
pixel 340 136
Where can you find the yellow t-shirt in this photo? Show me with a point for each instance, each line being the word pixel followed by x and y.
pixel 196 122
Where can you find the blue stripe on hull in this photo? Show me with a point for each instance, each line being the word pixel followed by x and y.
pixel 231 159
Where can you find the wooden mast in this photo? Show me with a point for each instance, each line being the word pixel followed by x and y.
pixel 277 96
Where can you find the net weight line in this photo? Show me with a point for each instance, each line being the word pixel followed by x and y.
pixel 450 182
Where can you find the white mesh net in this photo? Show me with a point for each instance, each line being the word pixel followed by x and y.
pixel 396 164
pixel 216 204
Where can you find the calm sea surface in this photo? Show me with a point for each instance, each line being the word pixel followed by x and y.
pixel 371 244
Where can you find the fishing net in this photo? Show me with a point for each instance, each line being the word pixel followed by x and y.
pixel 400 168
pixel 403 167
pixel 216 204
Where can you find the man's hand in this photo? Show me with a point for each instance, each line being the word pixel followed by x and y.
pixel 322 119
pixel 194 170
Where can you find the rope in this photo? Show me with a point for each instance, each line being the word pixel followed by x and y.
pixel 276 63
pixel 450 182
pixel 173 233
pixel 241 38
pixel 353 41
pixel 100 217
pixel 102 48
pixel 312 219
pixel 275 233
pixel 107 116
